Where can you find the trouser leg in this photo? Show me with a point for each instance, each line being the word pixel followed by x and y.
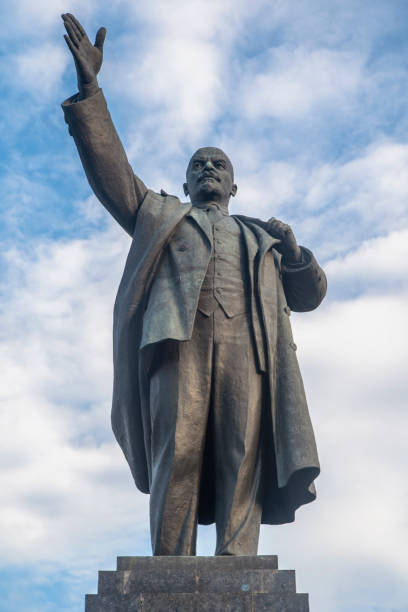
pixel 180 385
pixel 237 397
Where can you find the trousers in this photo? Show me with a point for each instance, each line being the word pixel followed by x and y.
pixel 206 399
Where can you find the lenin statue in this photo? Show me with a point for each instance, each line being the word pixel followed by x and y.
pixel 208 401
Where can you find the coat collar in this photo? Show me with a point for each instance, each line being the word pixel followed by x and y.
pixel 261 240
pixel 201 218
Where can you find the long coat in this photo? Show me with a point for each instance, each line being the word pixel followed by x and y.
pixel 147 311
pixel 157 299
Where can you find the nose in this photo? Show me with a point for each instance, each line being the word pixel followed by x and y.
pixel 208 164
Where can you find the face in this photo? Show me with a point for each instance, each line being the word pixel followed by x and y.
pixel 210 177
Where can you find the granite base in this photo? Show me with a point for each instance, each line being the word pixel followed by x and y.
pixel 197 584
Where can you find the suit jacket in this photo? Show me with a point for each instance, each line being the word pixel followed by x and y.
pixel 157 299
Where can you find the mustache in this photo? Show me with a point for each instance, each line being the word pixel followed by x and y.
pixel 208 175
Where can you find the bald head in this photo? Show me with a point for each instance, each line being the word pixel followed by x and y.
pixel 210 177
pixel 211 152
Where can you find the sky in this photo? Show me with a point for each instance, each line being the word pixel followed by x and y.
pixel 309 100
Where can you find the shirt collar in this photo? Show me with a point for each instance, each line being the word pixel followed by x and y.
pixel 209 206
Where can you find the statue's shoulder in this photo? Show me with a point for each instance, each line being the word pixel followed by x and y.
pixel 162 201
pixel 158 212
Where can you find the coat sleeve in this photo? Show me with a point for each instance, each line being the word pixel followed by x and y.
pixel 304 284
pixel 104 159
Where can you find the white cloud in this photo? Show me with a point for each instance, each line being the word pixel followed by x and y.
pixel 298 81
pixel 378 266
pixel 175 65
pixel 91 210
pixel 39 69
pixel 360 199
pixel 374 185
pixel 59 462
pixel 268 189
pixel 45 15
pixel 196 19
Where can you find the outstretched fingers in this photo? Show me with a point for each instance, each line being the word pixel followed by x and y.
pixel 72 33
pixel 72 47
pixel 76 30
pixel 77 24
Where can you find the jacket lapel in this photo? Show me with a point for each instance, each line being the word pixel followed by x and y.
pixel 258 245
pixel 203 222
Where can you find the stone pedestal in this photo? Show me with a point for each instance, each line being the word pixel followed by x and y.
pixel 197 584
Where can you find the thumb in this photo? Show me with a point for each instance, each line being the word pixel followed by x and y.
pixel 100 38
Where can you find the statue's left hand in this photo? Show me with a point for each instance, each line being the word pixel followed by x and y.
pixel 288 246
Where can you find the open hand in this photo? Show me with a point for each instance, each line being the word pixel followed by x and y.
pixel 87 57
pixel 288 246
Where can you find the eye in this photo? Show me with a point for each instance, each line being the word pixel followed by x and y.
pixel 219 163
pixel 197 164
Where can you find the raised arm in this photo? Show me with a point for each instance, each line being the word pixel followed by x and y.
pixel 101 152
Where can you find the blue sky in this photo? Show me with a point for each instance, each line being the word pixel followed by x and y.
pixel 310 102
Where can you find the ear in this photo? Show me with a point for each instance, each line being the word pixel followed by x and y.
pixel 234 190
pixel 185 189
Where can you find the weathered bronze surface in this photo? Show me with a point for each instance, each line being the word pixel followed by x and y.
pixel 208 402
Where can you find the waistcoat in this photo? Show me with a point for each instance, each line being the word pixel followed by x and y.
pixel 225 282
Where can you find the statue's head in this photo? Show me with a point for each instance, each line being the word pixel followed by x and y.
pixel 210 177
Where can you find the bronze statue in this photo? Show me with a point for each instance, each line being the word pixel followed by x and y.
pixel 208 401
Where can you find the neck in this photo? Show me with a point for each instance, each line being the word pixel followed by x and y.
pixel 214 203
